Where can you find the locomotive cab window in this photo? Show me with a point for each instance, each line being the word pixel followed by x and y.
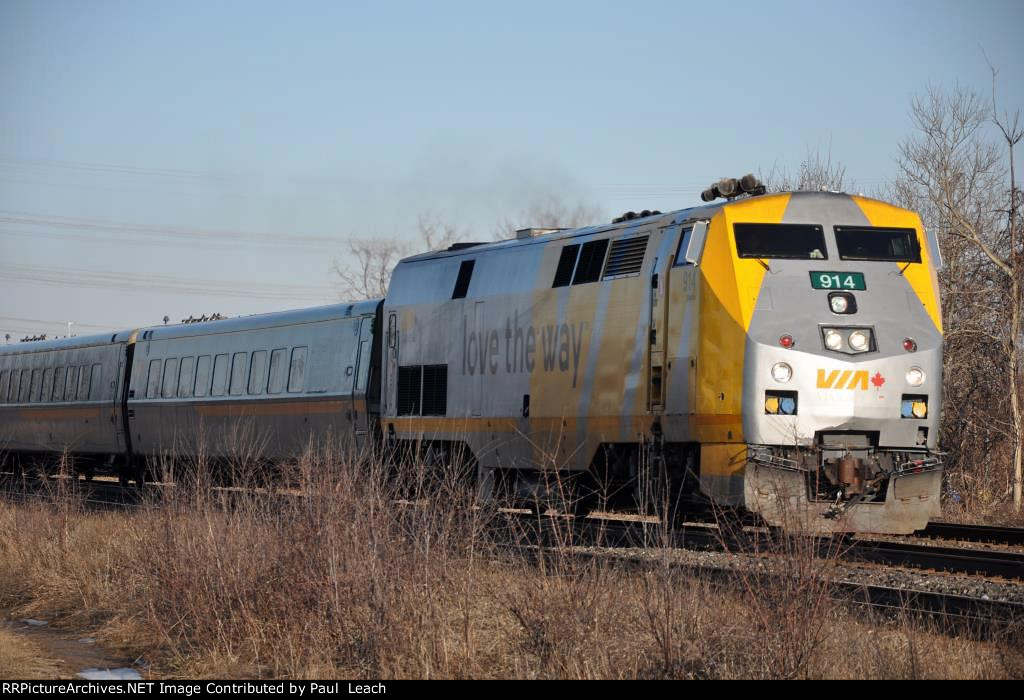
pixel 871 243
pixel 591 262
pixel 566 264
pixel 785 241
pixel 462 282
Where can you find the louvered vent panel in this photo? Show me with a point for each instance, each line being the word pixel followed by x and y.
pixel 626 257
pixel 409 383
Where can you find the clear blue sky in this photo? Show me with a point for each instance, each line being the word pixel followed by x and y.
pixel 185 157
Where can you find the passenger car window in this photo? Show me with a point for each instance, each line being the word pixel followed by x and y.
pixel 58 384
pixel 71 384
pixel 277 371
pixel 26 380
pixel 364 366
pixel 4 386
pixel 258 372
pixel 83 382
pixel 202 376
pixel 47 384
pixel 153 381
pixel 96 382
pixel 297 371
pixel 37 385
pixel 185 378
pixel 238 366
pixel 220 375
pixel 170 377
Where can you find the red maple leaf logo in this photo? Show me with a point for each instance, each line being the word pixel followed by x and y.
pixel 878 380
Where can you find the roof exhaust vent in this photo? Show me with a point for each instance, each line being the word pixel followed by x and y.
pixel 630 215
pixel 534 232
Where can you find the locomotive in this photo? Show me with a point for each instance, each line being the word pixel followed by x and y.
pixel 780 353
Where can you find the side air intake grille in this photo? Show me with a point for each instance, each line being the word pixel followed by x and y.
pixel 626 257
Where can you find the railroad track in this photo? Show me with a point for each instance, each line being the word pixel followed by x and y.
pixel 640 533
pixel 993 534
pixel 980 562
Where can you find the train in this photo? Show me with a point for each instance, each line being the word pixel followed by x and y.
pixel 777 353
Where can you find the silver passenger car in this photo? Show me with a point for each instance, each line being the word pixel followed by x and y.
pixel 255 387
pixel 63 395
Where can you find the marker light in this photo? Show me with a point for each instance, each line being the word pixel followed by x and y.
pixel 786 341
pixel 771 405
pixel 860 341
pixel 839 304
pixel 915 376
pixel 920 409
pixel 782 372
pixel 833 341
pixel 909 344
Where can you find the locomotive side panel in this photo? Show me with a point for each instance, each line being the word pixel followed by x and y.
pixel 541 369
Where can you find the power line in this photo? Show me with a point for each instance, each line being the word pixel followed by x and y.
pixel 75 225
pixel 59 277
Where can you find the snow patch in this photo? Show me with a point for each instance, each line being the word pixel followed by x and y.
pixel 109 674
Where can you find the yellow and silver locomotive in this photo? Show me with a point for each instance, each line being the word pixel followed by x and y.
pixel 779 352
pixel 776 352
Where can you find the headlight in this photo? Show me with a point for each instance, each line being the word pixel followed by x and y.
pixel 782 372
pixel 860 341
pixel 833 341
pixel 915 376
pixel 839 304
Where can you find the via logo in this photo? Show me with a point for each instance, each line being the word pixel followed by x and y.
pixel 847 379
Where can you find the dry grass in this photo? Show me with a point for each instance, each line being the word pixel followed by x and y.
pixel 345 582
pixel 20 658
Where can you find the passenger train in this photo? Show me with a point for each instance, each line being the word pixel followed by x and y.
pixel 781 353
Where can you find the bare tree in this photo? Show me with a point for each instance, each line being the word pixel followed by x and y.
pixel 954 173
pixel 1012 266
pixel 550 212
pixel 364 272
pixel 817 172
